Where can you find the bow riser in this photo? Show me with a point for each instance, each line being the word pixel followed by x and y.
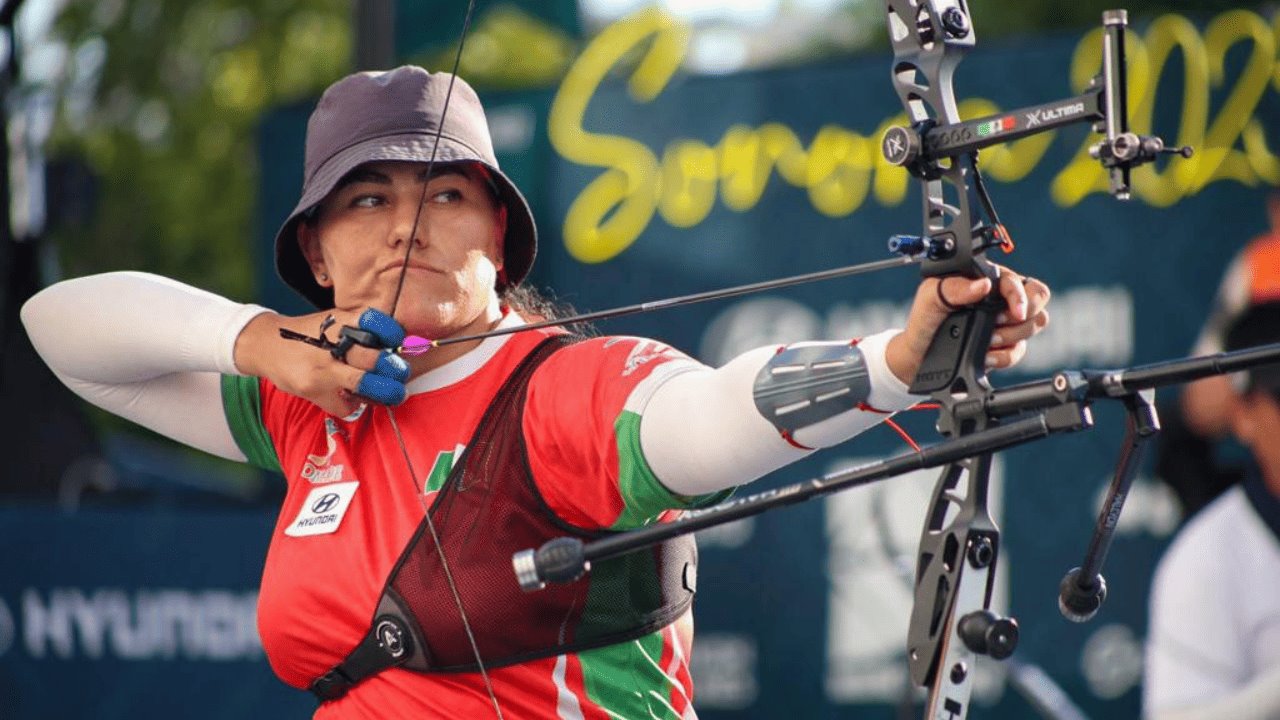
pixel 929 40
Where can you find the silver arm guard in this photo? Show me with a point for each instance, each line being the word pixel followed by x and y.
pixel 805 384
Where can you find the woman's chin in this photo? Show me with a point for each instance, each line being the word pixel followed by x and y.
pixel 443 322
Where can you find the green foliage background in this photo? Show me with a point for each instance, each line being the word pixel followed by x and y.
pixel 168 126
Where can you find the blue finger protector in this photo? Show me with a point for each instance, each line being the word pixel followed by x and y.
pixel 392 366
pixel 389 332
pixel 381 389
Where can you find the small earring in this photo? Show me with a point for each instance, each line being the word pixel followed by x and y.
pixel 324 277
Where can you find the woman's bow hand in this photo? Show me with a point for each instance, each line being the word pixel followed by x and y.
pixel 936 298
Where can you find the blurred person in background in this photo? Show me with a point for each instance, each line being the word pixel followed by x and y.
pixel 1252 278
pixel 1188 454
pixel 388 589
pixel 1214 636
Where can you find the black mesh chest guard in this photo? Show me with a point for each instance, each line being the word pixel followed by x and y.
pixel 487 510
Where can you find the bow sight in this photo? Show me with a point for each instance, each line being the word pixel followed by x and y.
pixel 929 40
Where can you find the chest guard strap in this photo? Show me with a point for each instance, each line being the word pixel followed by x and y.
pixel 489 508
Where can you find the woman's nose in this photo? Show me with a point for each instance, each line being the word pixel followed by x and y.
pixel 410 223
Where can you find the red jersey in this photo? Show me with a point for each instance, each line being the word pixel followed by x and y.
pixel 351 507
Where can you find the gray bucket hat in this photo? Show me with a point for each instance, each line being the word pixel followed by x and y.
pixel 394 115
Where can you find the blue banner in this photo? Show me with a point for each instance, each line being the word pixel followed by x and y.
pixel 135 613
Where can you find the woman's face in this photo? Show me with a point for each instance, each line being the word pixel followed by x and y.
pixel 358 242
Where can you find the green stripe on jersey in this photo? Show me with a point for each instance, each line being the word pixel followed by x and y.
pixel 242 404
pixel 627 680
pixel 644 497
pixel 441 468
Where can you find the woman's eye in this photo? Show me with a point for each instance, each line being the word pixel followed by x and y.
pixel 366 201
pixel 447 196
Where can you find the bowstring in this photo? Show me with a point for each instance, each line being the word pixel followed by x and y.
pixel 420 490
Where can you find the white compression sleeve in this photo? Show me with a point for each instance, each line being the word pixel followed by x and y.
pixel 701 432
pixel 146 348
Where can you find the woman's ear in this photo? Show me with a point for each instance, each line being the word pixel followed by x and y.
pixel 309 243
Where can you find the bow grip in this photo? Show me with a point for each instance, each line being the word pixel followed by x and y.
pixel 964 336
